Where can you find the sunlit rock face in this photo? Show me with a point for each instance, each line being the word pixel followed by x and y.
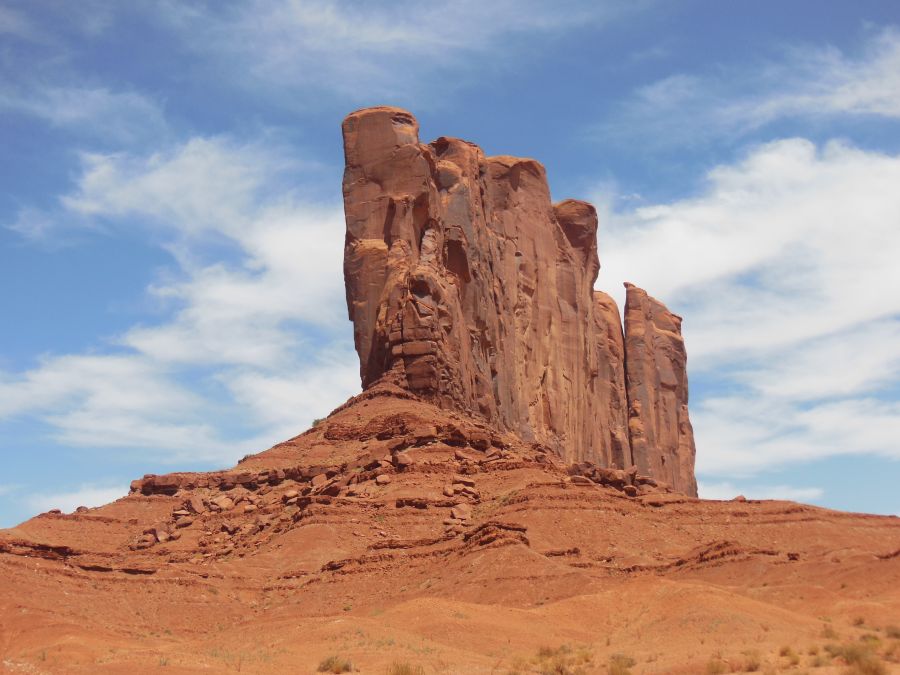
pixel 467 286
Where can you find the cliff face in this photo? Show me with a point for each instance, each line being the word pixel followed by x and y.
pixel 467 286
pixel 662 439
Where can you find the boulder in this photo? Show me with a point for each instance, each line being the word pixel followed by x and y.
pixel 402 460
pixel 222 503
pixel 195 504
pixel 461 511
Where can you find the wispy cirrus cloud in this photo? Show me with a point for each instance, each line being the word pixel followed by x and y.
pixel 98 113
pixel 811 83
pixel 361 50
pixel 17 24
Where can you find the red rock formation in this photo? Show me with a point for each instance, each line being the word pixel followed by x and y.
pixel 662 439
pixel 467 286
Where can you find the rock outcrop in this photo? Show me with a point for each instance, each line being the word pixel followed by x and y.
pixel 469 288
pixel 433 500
pixel 662 439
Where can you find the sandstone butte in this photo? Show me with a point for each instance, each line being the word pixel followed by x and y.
pixel 512 492
pixel 467 286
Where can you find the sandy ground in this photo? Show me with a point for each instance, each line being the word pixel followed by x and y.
pixel 539 574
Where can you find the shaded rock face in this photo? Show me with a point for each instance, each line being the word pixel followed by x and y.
pixel 469 288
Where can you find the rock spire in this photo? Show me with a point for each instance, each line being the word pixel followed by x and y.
pixel 467 286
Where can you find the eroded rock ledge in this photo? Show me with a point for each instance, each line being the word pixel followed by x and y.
pixel 468 287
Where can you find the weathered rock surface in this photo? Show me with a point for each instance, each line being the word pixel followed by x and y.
pixel 468 287
pixel 662 439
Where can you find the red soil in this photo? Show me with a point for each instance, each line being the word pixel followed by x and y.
pixel 377 571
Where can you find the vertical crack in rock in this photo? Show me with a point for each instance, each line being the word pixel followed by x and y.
pixel 468 287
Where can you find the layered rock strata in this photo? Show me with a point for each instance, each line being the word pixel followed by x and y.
pixel 469 288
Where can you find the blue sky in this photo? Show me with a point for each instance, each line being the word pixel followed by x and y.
pixel 171 225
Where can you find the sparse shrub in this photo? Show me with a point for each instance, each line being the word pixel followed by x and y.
pixel 870 639
pixel 316 422
pixel 892 652
pixel 619 664
pixel 752 661
pixel 869 667
pixel 860 659
pixel 405 669
pixel 829 633
pixel 852 653
pixel 788 653
pixel 892 632
pixel 545 652
pixel 563 660
pixel 335 664
pixel 819 661
pixel 716 666
pixel 859 621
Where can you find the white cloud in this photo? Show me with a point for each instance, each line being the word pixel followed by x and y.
pixel 809 82
pixel 726 490
pixel 205 185
pixel 784 267
pixel 742 434
pixel 17 24
pixel 102 114
pixel 34 225
pixel 363 50
pixel 246 351
pixel 278 399
pixel 855 360
pixel 111 400
pixel 788 244
pixel 85 495
pixel 290 251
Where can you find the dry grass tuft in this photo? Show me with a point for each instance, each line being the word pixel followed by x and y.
pixel 563 660
pixel 620 664
pixel 752 661
pixel 861 659
pixel 335 664
pixel 405 669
